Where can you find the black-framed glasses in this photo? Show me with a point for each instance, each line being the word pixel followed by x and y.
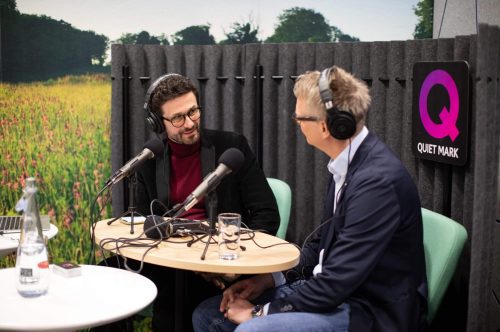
pixel 299 119
pixel 178 120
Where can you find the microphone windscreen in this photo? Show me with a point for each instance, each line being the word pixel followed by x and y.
pixel 232 158
pixel 156 146
pixel 155 227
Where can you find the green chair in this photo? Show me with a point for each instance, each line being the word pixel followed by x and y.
pixel 283 194
pixel 444 240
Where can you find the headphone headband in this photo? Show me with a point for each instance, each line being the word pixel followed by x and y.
pixel 152 88
pixel 325 92
pixel 152 118
pixel 341 124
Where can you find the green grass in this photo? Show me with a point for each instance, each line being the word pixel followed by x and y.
pixel 59 132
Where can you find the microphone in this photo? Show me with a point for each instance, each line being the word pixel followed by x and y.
pixel 230 161
pixel 156 227
pixel 152 148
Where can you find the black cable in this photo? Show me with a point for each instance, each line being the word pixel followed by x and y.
pixel 165 208
pixel 125 242
pixel 91 257
pixel 138 241
pixel 477 21
pixel 442 19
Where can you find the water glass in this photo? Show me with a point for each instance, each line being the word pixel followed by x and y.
pixel 229 235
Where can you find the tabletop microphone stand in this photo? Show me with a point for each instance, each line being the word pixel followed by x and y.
pixel 212 216
pixel 132 183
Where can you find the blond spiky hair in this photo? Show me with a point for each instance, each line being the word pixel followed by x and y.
pixel 349 93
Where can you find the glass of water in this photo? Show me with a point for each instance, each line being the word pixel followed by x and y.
pixel 229 235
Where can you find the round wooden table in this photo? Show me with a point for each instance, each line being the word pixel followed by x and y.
pixel 176 254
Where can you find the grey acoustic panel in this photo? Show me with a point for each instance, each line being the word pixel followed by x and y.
pixel 228 84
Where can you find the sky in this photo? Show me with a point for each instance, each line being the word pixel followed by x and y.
pixel 369 20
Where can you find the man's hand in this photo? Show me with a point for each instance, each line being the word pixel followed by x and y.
pixel 246 289
pixel 239 311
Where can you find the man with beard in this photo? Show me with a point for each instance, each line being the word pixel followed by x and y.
pixel 190 154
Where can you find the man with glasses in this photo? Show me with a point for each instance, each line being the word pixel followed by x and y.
pixel 364 268
pixel 190 154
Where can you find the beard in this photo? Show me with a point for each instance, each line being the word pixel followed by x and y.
pixel 187 136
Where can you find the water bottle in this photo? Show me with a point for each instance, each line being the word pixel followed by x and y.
pixel 32 264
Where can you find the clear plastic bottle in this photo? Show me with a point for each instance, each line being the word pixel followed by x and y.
pixel 32 264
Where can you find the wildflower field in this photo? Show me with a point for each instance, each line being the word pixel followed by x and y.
pixel 59 132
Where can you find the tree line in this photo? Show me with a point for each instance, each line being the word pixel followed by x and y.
pixel 38 47
pixel 294 25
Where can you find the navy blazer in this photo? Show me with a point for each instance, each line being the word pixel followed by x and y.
pixel 373 249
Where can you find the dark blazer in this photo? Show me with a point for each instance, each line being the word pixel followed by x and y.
pixel 245 192
pixel 373 248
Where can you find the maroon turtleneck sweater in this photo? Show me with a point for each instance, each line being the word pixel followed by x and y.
pixel 185 176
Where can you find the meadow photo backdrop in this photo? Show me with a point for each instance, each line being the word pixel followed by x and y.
pixel 59 132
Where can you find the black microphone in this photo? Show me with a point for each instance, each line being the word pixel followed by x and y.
pixel 156 227
pixel 152 148
pixel 230 161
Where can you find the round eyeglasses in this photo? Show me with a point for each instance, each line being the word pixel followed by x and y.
pixel 178 120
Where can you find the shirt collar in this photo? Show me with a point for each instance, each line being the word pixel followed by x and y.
pixel 338 166
pixel 183 150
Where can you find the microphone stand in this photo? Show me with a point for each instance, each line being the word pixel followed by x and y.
pixel 132 183
pixel 212 216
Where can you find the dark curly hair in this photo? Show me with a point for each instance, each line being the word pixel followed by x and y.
pixel 170 88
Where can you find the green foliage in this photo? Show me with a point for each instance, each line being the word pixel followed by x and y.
pixel 58 132
pixel 194 35
pixel 142 37
pixel 8 4
pixel 424 10
pixel 241 33
pixel 338 35
pixel 39 48
pixel 301 25
pixel 305 25
pixel 126 38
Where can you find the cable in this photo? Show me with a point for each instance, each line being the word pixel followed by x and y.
pixel 91 257
pixel 477 21
pixel 442 19
pixel 314 231
pixel 165 208
pixel 122 242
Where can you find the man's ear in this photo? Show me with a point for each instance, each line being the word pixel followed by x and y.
pixel 324 130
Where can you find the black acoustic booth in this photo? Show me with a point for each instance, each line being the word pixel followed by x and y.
pixel 248 89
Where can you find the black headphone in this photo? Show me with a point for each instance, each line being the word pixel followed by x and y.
pixel 341 124
pixel 153 119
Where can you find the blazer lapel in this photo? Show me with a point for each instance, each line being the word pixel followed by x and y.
pixel 163 177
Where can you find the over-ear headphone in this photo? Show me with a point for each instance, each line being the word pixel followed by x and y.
pixel 153 119
pixel 341 124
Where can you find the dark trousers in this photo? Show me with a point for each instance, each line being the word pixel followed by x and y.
pixel 195 289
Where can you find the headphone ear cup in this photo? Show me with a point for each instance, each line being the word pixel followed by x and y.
pixel 341 124
pixel 154 122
